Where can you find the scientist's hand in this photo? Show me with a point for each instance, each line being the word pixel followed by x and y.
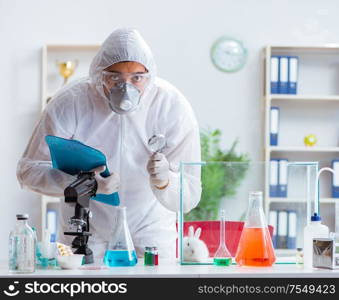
pixel 158 168
pixel 106 185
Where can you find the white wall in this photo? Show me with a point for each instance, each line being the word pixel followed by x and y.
pixel 180 34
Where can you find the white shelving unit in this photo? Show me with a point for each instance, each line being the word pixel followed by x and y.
pixel 51 81
pixel 314 110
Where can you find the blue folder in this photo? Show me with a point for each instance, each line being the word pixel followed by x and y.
pixel 283 75
pixel 335 186
pixel 274 74
pixel 292 74
pixel 274 177
pixel 282 178
pixel 72 157
pixel 274 125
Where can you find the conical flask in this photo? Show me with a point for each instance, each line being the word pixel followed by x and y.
pixel 120 250
pixel 255 246
pixel 222 256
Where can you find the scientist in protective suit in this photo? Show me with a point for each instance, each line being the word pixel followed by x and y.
pixel 116 110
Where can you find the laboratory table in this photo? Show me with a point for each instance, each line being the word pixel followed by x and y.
pixel 172 269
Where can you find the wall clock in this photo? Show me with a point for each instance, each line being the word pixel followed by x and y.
pixel 228 54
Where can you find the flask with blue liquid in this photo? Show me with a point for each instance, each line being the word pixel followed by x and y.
pixel 120 250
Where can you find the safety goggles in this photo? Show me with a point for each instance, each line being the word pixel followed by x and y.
pixel 114 79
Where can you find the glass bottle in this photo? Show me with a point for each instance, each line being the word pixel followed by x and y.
pixel 120 250
pixel 255 246
pixel 155 255
pixel 222 256
pixel 21 247
pixel 148 256
pixel 299 259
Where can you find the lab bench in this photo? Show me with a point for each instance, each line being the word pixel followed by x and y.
pixel 172 269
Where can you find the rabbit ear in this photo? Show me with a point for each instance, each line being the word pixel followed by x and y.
pixel 191 231
pixel 197 233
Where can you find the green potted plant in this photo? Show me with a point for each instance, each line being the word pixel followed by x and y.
pixel 219 180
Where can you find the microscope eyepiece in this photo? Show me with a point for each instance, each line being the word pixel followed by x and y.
pixel 82 189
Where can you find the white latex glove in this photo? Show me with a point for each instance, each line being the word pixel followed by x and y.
pixel 158 168
pixel 106 185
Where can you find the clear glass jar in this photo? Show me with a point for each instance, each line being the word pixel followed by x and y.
pixel 21 247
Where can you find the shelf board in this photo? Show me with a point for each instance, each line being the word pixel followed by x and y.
pixel 329 200
pixel 302 200
pixel 302 149
pixel 328 47
pixel 72 47
pixel 310 98
pixel 273 199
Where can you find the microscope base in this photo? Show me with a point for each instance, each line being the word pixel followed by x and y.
pixel 87 252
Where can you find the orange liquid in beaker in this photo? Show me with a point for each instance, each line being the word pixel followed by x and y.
pixel 255 248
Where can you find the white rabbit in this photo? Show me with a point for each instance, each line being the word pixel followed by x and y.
pixel 194 249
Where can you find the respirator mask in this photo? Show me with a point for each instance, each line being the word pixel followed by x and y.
pixel 123 90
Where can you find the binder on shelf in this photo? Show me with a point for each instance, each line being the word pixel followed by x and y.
pixel 273 221
pixel 282 229
pixel 283 75
pixel 274 169
pixel 274 74
pixel 274 125
pixel 335 178
pixel 52 223
pixel 282 178
pixel 292 74
pixel 292 229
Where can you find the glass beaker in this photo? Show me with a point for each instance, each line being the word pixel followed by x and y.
pixel 255 246
pixel 120 250
pixel 222 256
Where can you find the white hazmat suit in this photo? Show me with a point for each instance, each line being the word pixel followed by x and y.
pixel 80 111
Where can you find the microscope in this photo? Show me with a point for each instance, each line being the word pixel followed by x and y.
pixel 80 192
